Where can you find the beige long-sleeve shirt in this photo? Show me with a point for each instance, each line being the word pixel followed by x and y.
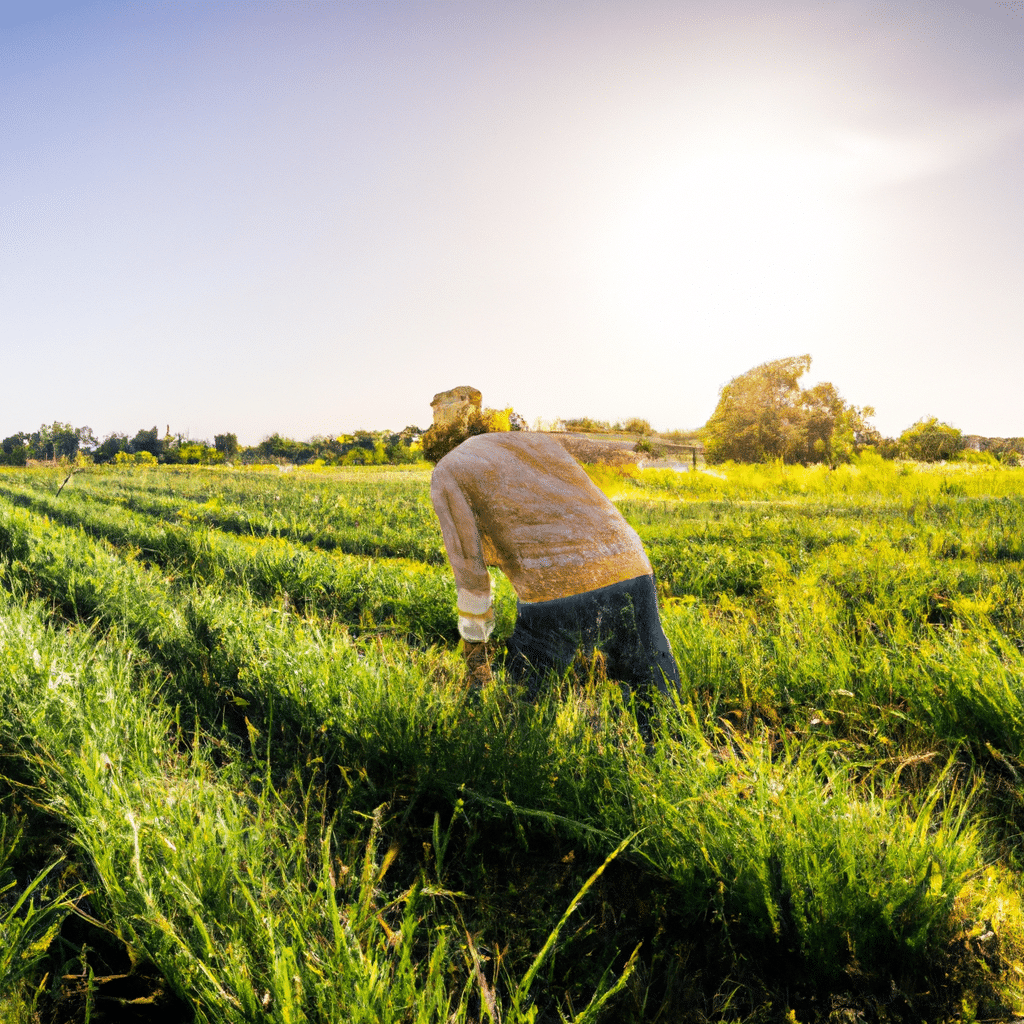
pixel 519 501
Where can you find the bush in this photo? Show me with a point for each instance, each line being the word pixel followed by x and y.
pixel 135 459
pixel 13 451
pixel 226 444
pixel 928 440
pixel 888 448
pixel 147 441
pixel 582 424
pixel 637 426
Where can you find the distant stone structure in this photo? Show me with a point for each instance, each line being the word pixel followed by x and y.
pixel 1007 449
pixel 611 453
pixel 456 405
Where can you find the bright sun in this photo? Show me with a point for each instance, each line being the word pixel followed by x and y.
pixel 739 239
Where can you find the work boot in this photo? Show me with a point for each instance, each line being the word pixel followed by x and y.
pixel 478 663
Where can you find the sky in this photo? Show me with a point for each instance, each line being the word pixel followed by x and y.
pixel 308 217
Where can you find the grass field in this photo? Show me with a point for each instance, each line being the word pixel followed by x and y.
pixel 241 778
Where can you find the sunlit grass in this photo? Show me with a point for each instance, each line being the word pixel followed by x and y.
pixel 260 763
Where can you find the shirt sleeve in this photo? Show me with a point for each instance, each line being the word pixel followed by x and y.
pixel 464 547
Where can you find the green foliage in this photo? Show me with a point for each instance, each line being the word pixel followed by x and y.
pixel 1008 451
pixel 53 442
pixel 928 440
pixel 28 923
pixel 283 449
pixel 764 415
pixel 147 441
pixel 60 441
pixel 363 448
pixel 14 450
pixel 108 449
pixel 584 424
pixel 226 444
pixel 438 441
pixel 636 426
pixel 682 436
pixel 192 453
pixel 142 458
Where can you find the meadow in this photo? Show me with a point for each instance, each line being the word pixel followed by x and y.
pixel 241 777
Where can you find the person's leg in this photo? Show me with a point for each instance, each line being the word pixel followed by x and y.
pixel 544 641
pixel 621 620
pixel 656 660
pixel 637 649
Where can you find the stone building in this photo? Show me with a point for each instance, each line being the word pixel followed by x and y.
pixel 455 405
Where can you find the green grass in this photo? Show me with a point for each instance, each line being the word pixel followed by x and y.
pixel 252 755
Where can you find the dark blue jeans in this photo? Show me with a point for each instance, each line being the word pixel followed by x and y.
pixel 621 621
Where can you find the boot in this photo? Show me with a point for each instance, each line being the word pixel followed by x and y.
pixel 478 663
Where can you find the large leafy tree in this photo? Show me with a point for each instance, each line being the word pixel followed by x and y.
pixel 53 441
pixel 764 414
pixel 107 449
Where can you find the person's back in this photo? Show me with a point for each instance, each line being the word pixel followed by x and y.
pixel 521 502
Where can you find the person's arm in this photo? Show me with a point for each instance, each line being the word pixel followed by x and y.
pixel 465 552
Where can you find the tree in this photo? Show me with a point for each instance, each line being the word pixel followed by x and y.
pixel 147 441
pixel 284 449
pixel 226 444
pixel 928 440
pixel 87 441
pixel 13 450
pixel 53 441
pixel 108 448
pixel 764 414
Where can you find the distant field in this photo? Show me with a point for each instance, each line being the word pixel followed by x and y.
pixel 234 730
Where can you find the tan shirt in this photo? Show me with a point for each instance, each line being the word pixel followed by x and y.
pixel 519 501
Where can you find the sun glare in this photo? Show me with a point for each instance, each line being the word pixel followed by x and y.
pixel 739 238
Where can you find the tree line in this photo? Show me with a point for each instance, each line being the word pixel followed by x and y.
pixel 764 415
pixel 56 442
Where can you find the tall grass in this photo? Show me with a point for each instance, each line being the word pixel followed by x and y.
pixel 251 899
pixel 292 811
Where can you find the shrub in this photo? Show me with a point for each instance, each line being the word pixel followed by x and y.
pixel 135 459
pixel 928 440
pixel 581 424
pixel 13 451
pixel 637 426
pixel 147 441
pixel 226 444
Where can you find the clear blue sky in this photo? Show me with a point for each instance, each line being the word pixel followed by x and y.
pixel 309 217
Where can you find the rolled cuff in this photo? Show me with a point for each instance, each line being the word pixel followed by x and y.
pixel 476 627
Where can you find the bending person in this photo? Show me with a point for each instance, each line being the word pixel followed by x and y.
pixel 521 502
